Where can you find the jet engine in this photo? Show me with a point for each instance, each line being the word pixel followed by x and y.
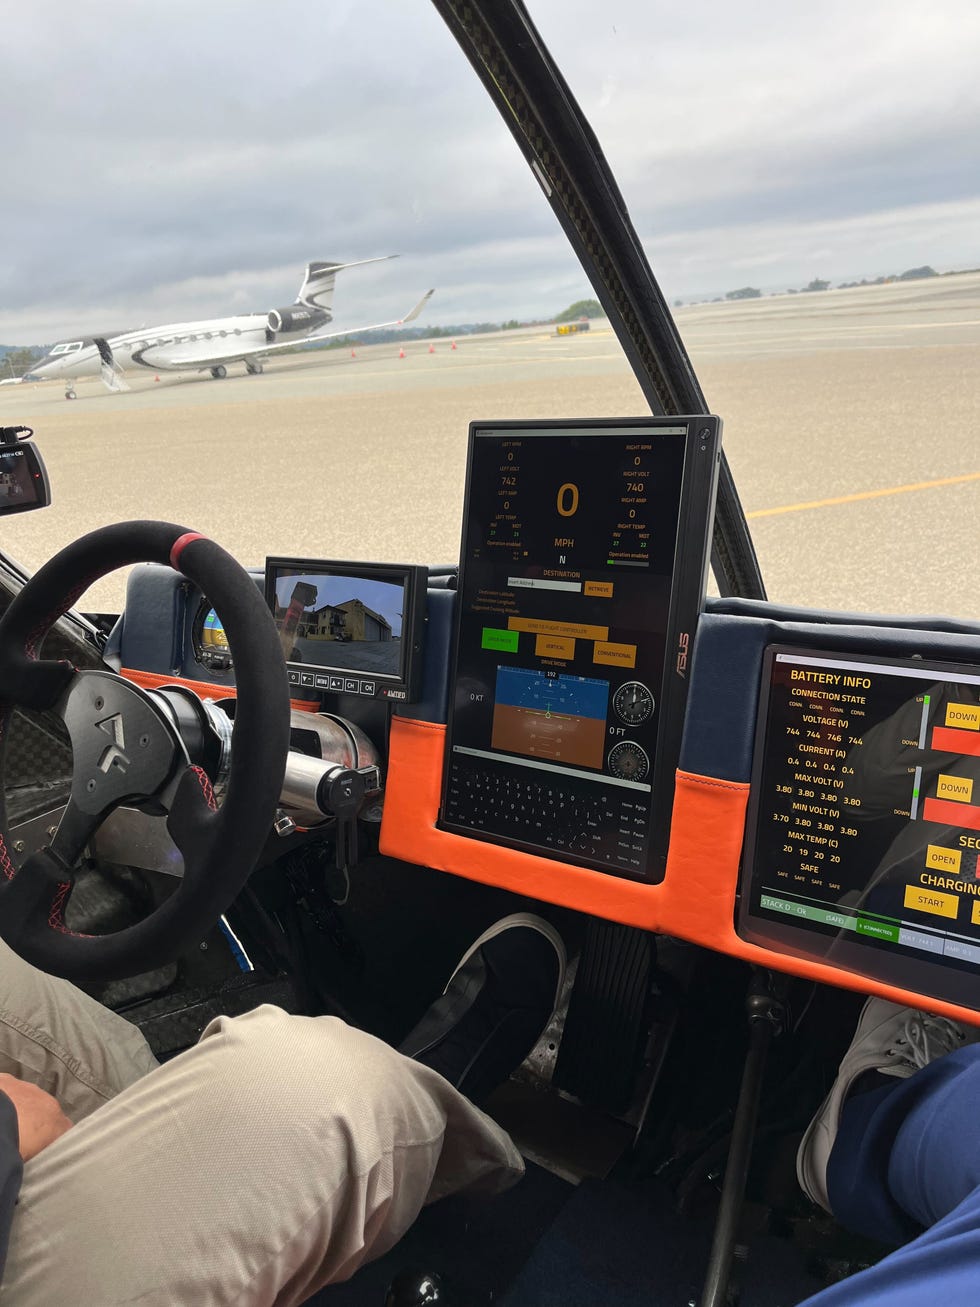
pixel 297 317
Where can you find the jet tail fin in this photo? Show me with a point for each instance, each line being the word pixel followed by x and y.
pixel 316 291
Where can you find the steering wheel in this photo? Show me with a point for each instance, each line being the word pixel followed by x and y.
pixel 126 749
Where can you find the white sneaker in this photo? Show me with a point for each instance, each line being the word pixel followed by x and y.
pixel 896 1041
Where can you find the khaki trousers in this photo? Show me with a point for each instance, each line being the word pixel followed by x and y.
pixel 274 1157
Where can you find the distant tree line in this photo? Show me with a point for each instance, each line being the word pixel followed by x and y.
pixel 16 361
pixel 580 309
pixel 911 274
pixel 818 284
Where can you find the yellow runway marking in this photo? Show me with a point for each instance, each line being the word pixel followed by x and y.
pixel 864 494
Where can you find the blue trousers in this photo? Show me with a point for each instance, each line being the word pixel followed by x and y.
pixel 906 1167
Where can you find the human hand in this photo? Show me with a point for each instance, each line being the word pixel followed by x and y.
pixel 40 1120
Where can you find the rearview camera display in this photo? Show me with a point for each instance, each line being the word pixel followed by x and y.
pixel 343 621
pixel 23 480
pixel 346 627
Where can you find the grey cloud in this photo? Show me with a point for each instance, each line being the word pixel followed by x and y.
pixel 191 157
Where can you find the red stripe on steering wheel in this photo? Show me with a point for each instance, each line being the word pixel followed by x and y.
pixel 180 544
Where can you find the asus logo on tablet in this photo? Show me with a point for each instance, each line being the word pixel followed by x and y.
pixel 683 645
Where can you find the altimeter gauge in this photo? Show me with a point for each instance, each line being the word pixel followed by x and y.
pixel 633 703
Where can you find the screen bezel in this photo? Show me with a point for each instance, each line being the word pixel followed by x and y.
pixel 695 517
pixel 402 687
pixel 903 971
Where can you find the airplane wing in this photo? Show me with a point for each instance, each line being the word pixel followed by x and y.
pixel 351 331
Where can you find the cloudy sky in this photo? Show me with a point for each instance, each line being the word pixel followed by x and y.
pixel 187 159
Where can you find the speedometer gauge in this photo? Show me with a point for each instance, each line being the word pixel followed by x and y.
pixel 633 702
pixel 209 640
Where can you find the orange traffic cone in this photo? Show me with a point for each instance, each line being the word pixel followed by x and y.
pixel 453 345
pixel 401 353
pixel 432 349
pixel 156 378
pixel 353 353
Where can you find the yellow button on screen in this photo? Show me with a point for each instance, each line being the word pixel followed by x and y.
pixel 574 630
pixel 975 912
pixel 599 589
pixel 931 900
pixel 554 646
pixel 964 716
pixel 959 788
pixel 943 859
pixel 614 655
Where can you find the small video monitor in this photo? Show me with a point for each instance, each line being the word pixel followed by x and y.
pixel 863 841
pixel 23 479
pixel 349 628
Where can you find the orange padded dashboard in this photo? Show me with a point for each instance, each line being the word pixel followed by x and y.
pixel 695 901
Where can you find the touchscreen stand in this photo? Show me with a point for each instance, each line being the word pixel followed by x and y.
pixel 863 843
pixel 582 575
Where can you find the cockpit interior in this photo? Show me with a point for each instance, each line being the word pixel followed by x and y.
pixel 309 780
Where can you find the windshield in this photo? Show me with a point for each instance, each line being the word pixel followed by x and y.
pixel 806 189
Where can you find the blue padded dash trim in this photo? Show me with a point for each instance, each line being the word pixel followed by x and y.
pixel 439 608
pixel 154 632
pixel 152 620
pixel 724 694
pixel 723 697
pixel 809 616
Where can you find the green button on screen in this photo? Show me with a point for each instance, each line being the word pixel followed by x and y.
pixel 879 929
pixel 502 641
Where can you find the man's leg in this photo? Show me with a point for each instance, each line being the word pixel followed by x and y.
pixel 281 1152
pixel 905 1164
pixel 274 1157
pixel 59 1038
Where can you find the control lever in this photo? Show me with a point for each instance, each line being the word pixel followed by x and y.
pixel 314 790
pixel 344 795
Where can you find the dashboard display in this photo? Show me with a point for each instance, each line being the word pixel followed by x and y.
pixel 23 479
pixel 574 619
pixel 863 847
pixel 349 628
pixel 208 638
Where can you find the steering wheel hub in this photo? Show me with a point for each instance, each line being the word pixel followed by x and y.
pixel 123 745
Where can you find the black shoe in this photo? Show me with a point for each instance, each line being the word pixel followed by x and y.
pixel 497 1003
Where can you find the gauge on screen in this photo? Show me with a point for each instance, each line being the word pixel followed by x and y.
pixel 209 639
pixel 628 761
pixel 633 703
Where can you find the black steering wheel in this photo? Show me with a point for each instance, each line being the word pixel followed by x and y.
pixel 126 749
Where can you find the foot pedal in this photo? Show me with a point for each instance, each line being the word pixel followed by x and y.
pixel 605 1030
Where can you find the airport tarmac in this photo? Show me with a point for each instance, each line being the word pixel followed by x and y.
pixel 851 421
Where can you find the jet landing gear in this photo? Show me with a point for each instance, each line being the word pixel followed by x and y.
pixel 253 367
pixel 220 372
pixel 70 393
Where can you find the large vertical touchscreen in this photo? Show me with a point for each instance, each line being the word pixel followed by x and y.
pixel 864 830
pixel 575 619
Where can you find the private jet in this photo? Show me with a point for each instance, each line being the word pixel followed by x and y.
pixel 211 344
